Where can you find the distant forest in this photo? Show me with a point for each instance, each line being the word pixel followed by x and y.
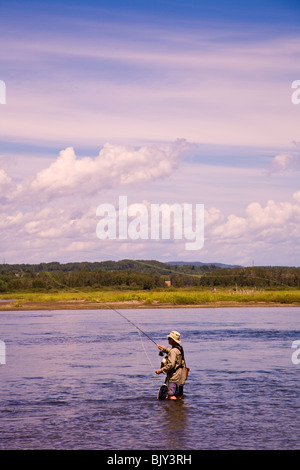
pixel 141 274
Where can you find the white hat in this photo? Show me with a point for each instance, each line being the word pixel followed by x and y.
pixel 175 336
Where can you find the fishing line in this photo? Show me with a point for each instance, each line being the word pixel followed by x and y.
pixel 110 307
pixel 152 366
pixel 139 330
pixel 127 319
pixel 207 276
pixel 171 270
pixel 203 276
pixel 145 350
pixel 122 315
pixel 137 327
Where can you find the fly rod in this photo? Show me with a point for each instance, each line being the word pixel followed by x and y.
pixel 137 327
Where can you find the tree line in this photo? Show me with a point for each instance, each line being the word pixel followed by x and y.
pixel 140 274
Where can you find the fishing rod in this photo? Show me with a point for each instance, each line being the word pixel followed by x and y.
pixel 111 308
pixel 161 353
pixel 129 321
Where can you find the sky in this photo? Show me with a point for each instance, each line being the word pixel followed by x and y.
pixel 164 102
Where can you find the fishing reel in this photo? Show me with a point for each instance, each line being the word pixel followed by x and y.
pixel 165 358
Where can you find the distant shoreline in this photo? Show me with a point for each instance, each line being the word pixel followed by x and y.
pixel 13 305
pixel 148 299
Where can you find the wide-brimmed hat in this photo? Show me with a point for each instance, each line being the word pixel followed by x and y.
pixel 175 336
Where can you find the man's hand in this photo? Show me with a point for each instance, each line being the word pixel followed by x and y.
pixel 158 371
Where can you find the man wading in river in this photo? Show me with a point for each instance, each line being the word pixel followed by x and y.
pixel 174 366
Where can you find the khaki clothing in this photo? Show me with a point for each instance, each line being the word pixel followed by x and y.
pixel 175 373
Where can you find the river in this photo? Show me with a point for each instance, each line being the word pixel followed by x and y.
pixel 84 379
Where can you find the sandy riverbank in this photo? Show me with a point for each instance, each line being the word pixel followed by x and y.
pixel 13 305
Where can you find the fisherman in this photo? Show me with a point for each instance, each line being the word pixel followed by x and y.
pixel 174 367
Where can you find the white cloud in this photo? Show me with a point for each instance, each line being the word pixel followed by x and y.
pixel 115 165
pixel 296 196
pixel 286 162
pixel 5 183
pixel 281 162
pixel 212 216
pixel 270 231
pixel 52 215
pixel 274 222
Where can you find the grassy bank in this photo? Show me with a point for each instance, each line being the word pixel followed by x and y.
pixel 155 298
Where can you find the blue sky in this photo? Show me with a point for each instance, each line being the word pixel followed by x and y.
pixel 100 93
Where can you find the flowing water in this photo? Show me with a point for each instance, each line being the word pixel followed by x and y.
pixel 84 379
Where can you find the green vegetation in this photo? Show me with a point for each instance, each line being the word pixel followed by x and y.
pixel 147 275
pixel 173 296
pixel 145 282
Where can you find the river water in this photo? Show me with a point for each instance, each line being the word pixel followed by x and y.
pixel 84 379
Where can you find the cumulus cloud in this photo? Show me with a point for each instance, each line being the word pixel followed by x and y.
pixel 286 162
pixel 5 183
pixel 114 165
pixel 36 221
pixel 66 233
pixel 39 224
pixel 281 162
pixel 275 220
pixel 213 216
pixel 45 233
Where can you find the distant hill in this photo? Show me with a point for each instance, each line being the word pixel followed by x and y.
pixel 141 274
pixel 148 266
pixel 199 263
